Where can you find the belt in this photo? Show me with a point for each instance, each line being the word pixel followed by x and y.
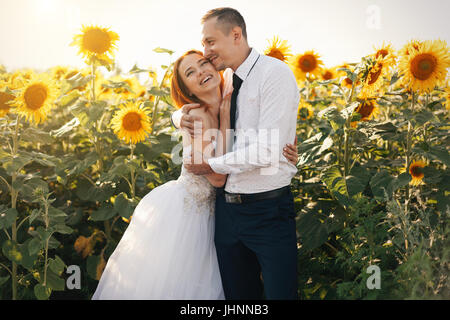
pixel 251 197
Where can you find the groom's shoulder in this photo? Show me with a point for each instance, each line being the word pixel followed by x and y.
pixel 273 66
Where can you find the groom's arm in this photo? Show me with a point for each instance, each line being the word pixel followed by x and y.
pixel 278 111
pixel 176 118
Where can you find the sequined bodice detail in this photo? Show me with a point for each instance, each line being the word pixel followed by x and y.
pixel 201 194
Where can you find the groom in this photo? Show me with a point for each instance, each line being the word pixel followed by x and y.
pixel 255 228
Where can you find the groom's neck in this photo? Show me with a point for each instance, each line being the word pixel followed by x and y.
pixel 242 54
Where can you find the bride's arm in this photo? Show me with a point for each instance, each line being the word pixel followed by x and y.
pixel 224 138
pixel 202 147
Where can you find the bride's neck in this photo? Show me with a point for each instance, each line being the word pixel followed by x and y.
pixel 213 100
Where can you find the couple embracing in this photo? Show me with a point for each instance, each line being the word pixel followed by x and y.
pixel 225 229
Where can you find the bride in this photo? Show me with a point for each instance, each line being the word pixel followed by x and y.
pixel 167 251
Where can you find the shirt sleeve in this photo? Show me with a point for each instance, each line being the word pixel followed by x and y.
pixel 176 118
pixel 276 126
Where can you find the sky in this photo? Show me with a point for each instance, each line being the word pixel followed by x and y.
pixel 37 33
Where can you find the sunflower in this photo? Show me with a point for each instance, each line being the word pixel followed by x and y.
pixel 35 99
pixel 385 52
pixel 5 99
pixel 304 111
pixel 346 82
pixel 424 65
pixel 374 81
pixel 305 64
pixel 367 109
pixel 96 42
pixel 329 73
pixel 278 49
pixel 131 123
pixel 416 172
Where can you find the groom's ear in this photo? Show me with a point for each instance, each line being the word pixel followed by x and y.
pixel 237 34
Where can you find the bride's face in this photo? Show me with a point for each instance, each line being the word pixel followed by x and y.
pixel 199 75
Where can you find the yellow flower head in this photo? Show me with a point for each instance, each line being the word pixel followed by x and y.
pixel 305 64
pixel 416 172
pixel 424 64
pixel 278 49
pixel 131 123
pixel 329 73
pixel 304 111
pixel 35 99
pixel 5 98
pixel 367 109
pixel 374 81
pixel 385 52
pixel 96 41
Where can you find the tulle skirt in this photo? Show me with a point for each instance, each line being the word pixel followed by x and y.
pixel 167 251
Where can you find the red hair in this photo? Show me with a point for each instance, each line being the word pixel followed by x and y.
pixel 179 91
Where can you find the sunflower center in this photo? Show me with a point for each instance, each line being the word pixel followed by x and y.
pixel 423 65
pixel 96 41
pixel 307 63
pixel 365 110
pixel 275 53
pixel 348 81
pixel 132 121
pixel 4 98
pixel 416 171
pixel 374 73
pixel 382 52
pixel 327 75
pixel 35 96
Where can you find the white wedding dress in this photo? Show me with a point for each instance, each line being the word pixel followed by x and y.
pixel 167 251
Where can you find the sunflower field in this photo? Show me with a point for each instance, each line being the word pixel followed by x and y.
pixel 79 150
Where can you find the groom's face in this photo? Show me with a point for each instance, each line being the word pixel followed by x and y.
pixel 218 47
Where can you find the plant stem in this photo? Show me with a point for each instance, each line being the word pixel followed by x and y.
pixel 155 108
pixel 46 241
pixel 408 160
pixel 14 195
pixel 133 178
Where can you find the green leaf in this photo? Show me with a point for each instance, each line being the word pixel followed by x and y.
pixel 424 116
pixel 381 183
pixel 7 218
pixel 56 265
pixel 14 164
pixel 136 69
pixel 41 292
pixel 123 206
pixel 11 251
pixel 66 129
pixel 68 99
pixel 54 281
pixel 162 50
pixel 34 246
pixel 37 136
pixel 104 213
pixel 91 266
pixel 3 280
pixel 336 184
pixel 96 110
pixel 440 154
pixel 402 180
pixel 333 115
pixel 313 233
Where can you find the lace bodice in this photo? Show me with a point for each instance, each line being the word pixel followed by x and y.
pixel 201 192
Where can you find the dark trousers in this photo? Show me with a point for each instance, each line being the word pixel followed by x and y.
pixel 257 238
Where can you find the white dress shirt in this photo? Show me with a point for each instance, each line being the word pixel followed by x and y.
pixel 266 118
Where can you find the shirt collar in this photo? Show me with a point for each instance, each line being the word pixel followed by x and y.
pixel 244 69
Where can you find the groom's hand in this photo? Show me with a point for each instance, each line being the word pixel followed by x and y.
pixel 197 169
pixel 187 121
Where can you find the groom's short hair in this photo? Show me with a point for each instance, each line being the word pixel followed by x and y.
pixel 228 18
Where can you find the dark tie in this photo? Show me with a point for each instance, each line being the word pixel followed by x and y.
pixel 237 82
